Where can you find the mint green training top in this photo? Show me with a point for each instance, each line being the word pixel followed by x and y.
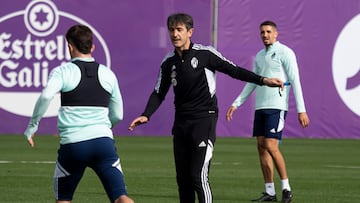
pixel 79 123
pixel 279 61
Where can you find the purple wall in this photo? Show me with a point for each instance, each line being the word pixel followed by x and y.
pixel 131 36
pixel 135 37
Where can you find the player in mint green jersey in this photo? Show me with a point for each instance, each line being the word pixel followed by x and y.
pixel 279 61
pixel 91 105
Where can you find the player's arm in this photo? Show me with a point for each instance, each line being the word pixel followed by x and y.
pixel 290 65
pixel 303 119
pixel 116 109
pixel 52 88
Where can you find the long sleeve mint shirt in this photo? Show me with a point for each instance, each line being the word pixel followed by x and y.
pixel 79 123
pixel 278 61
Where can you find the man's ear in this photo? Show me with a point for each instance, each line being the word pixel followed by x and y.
pixel 71 47
pixel 92 48
pixel 190 31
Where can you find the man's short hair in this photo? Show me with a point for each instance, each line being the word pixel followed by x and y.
pixel 180 18
pixel 81 37
pixel 270 23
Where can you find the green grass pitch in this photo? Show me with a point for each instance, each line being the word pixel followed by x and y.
pixel 320 171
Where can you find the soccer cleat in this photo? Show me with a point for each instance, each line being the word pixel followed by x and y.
pixel 286 196
pixel 265 198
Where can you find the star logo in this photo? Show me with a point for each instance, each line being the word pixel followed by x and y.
pixel 41 17
pixel 31 44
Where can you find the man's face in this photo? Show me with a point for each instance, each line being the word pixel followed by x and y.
pixel 180 37
pixel 268 35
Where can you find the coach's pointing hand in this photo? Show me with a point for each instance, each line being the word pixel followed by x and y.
pixel 273 82
pixel 138 121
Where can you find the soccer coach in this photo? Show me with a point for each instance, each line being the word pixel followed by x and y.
pixel 190 69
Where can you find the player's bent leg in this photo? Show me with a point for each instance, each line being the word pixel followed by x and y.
pixel 112 179
pixel 108 168
pixel 66 180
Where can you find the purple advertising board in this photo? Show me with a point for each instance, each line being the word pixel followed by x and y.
pixel 323 34
pixel 131 38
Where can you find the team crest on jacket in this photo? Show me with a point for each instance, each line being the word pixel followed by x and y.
pixel 194 62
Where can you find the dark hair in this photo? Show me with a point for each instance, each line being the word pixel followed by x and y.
pixel 181 18
pixel 81 37
pixel 270 23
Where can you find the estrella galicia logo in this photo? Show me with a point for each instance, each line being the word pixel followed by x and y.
pixel 346 65
pixel 32 43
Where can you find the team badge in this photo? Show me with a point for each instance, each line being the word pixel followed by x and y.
pixel 194 62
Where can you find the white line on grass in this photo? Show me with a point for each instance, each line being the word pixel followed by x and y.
pixel 27 162
pixel 220 163
pixel 6 162
pixel 342 166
